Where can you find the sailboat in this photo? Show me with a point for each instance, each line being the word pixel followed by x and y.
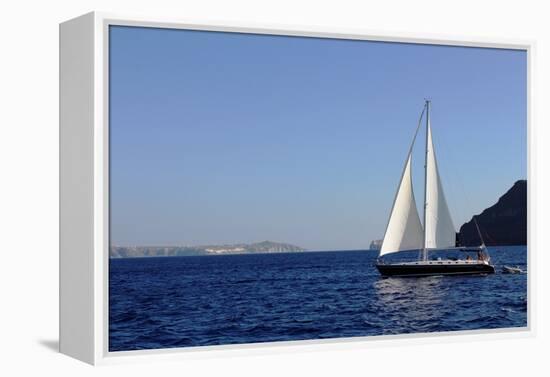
pixel 405 232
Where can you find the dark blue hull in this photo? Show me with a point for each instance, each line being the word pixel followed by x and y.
pixel 423 269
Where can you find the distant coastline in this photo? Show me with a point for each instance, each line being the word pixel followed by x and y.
pixel 228 249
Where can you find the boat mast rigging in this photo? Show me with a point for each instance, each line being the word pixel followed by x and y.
pixel 424 249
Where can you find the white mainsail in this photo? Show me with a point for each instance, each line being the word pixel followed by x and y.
pixel 404 230
pixel 439 228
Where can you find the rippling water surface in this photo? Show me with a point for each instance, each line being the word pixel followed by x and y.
pixel 206 300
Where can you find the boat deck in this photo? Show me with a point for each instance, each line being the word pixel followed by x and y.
pixel 441 262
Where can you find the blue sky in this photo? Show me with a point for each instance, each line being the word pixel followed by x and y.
pixel 226 137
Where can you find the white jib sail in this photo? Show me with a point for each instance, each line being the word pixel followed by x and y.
pixel 404 230
pixel 439 228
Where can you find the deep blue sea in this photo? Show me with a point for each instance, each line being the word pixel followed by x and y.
pixel 204 300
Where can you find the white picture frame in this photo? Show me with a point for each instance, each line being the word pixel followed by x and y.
pixel 84 187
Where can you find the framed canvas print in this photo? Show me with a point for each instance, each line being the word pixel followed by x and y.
pixel 225 187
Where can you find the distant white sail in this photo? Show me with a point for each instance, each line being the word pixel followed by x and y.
pixel 439 228
pixel 404 230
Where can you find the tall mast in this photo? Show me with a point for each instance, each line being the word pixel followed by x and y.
pixel 424 250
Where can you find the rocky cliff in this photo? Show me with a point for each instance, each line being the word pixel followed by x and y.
pixel 504 223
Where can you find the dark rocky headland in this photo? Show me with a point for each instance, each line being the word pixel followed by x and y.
pixel 504 223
